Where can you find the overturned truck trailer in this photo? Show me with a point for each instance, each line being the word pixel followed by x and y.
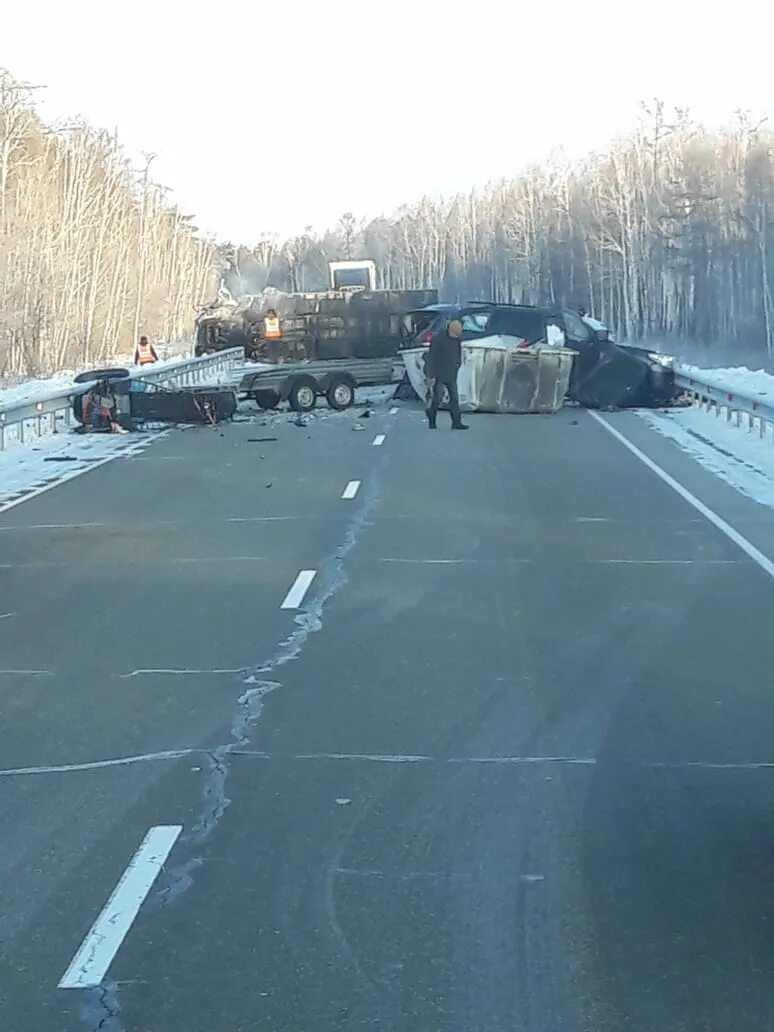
pixel 335 324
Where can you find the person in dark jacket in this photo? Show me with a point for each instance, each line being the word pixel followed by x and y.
pixel 443 363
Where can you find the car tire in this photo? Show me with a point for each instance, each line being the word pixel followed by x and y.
pixel 266 399
pixel 303 394
pixel 341 393
pixel 92 375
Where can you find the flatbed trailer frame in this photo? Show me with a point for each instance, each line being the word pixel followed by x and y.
pixel 302 383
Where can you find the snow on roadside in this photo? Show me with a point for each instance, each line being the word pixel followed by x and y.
pixel 30 469
pixel 32 389
pixel 745 460
pixel 754 382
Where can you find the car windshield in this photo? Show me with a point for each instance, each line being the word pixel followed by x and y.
pixel 343 278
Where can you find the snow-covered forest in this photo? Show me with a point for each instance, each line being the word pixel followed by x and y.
pixel 91 251
pixel 667 235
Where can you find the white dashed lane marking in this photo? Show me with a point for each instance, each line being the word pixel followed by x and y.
pixel 378 440
pixel 301 585
pixel 95 955
pixel 351 490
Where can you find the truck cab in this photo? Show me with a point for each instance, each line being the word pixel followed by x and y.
pixel 352 275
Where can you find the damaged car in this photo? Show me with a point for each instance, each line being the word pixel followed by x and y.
pixel 604 374
pixel 113 398
pixel 610 375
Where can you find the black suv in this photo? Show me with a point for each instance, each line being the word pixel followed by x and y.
pixel 604 374
pixel 479 319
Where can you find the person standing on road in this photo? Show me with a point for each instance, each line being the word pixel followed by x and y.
pixel 145 353
pixel 443 363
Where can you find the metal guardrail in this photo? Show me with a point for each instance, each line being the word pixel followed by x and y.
pixel 49 412
pixel 711 394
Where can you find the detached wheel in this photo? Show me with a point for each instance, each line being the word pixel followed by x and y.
pixel 340 394
pixel 303 394
pixel 267 399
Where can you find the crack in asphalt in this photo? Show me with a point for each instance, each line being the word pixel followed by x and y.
pixel 101 1006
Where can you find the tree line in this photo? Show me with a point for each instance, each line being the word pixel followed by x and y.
pixel 666 235
pixel 91 251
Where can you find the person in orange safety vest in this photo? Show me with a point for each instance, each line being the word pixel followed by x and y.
pixel 272 335
pixel 271 326
pixel 145 353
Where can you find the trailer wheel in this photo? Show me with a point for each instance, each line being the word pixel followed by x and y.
pixel 340 393
pixel 303 394
pixel 266 399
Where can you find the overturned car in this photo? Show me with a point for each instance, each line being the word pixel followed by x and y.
pixel 111 399
pixel 603 375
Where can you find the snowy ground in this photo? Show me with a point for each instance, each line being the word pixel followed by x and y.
pixel 742 458
pixel 28 470
pixel 754 382
pixel 25 390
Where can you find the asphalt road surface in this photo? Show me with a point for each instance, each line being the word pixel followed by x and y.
pixel 485 744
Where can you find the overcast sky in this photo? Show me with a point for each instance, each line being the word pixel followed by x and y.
pixel 274 117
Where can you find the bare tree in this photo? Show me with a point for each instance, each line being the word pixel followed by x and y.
pixel 668 234
pixel 89 253
pixel 347 224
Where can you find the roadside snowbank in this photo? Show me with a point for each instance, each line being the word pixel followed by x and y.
pixel 756 382
pixel 744 460
pixel 27 470
pixel 33 389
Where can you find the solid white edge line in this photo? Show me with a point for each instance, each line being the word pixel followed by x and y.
pixel 351 490
pixel 95 955
pixel 738 539
pixel 299 588
pixel 66 477
pixel 378 440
